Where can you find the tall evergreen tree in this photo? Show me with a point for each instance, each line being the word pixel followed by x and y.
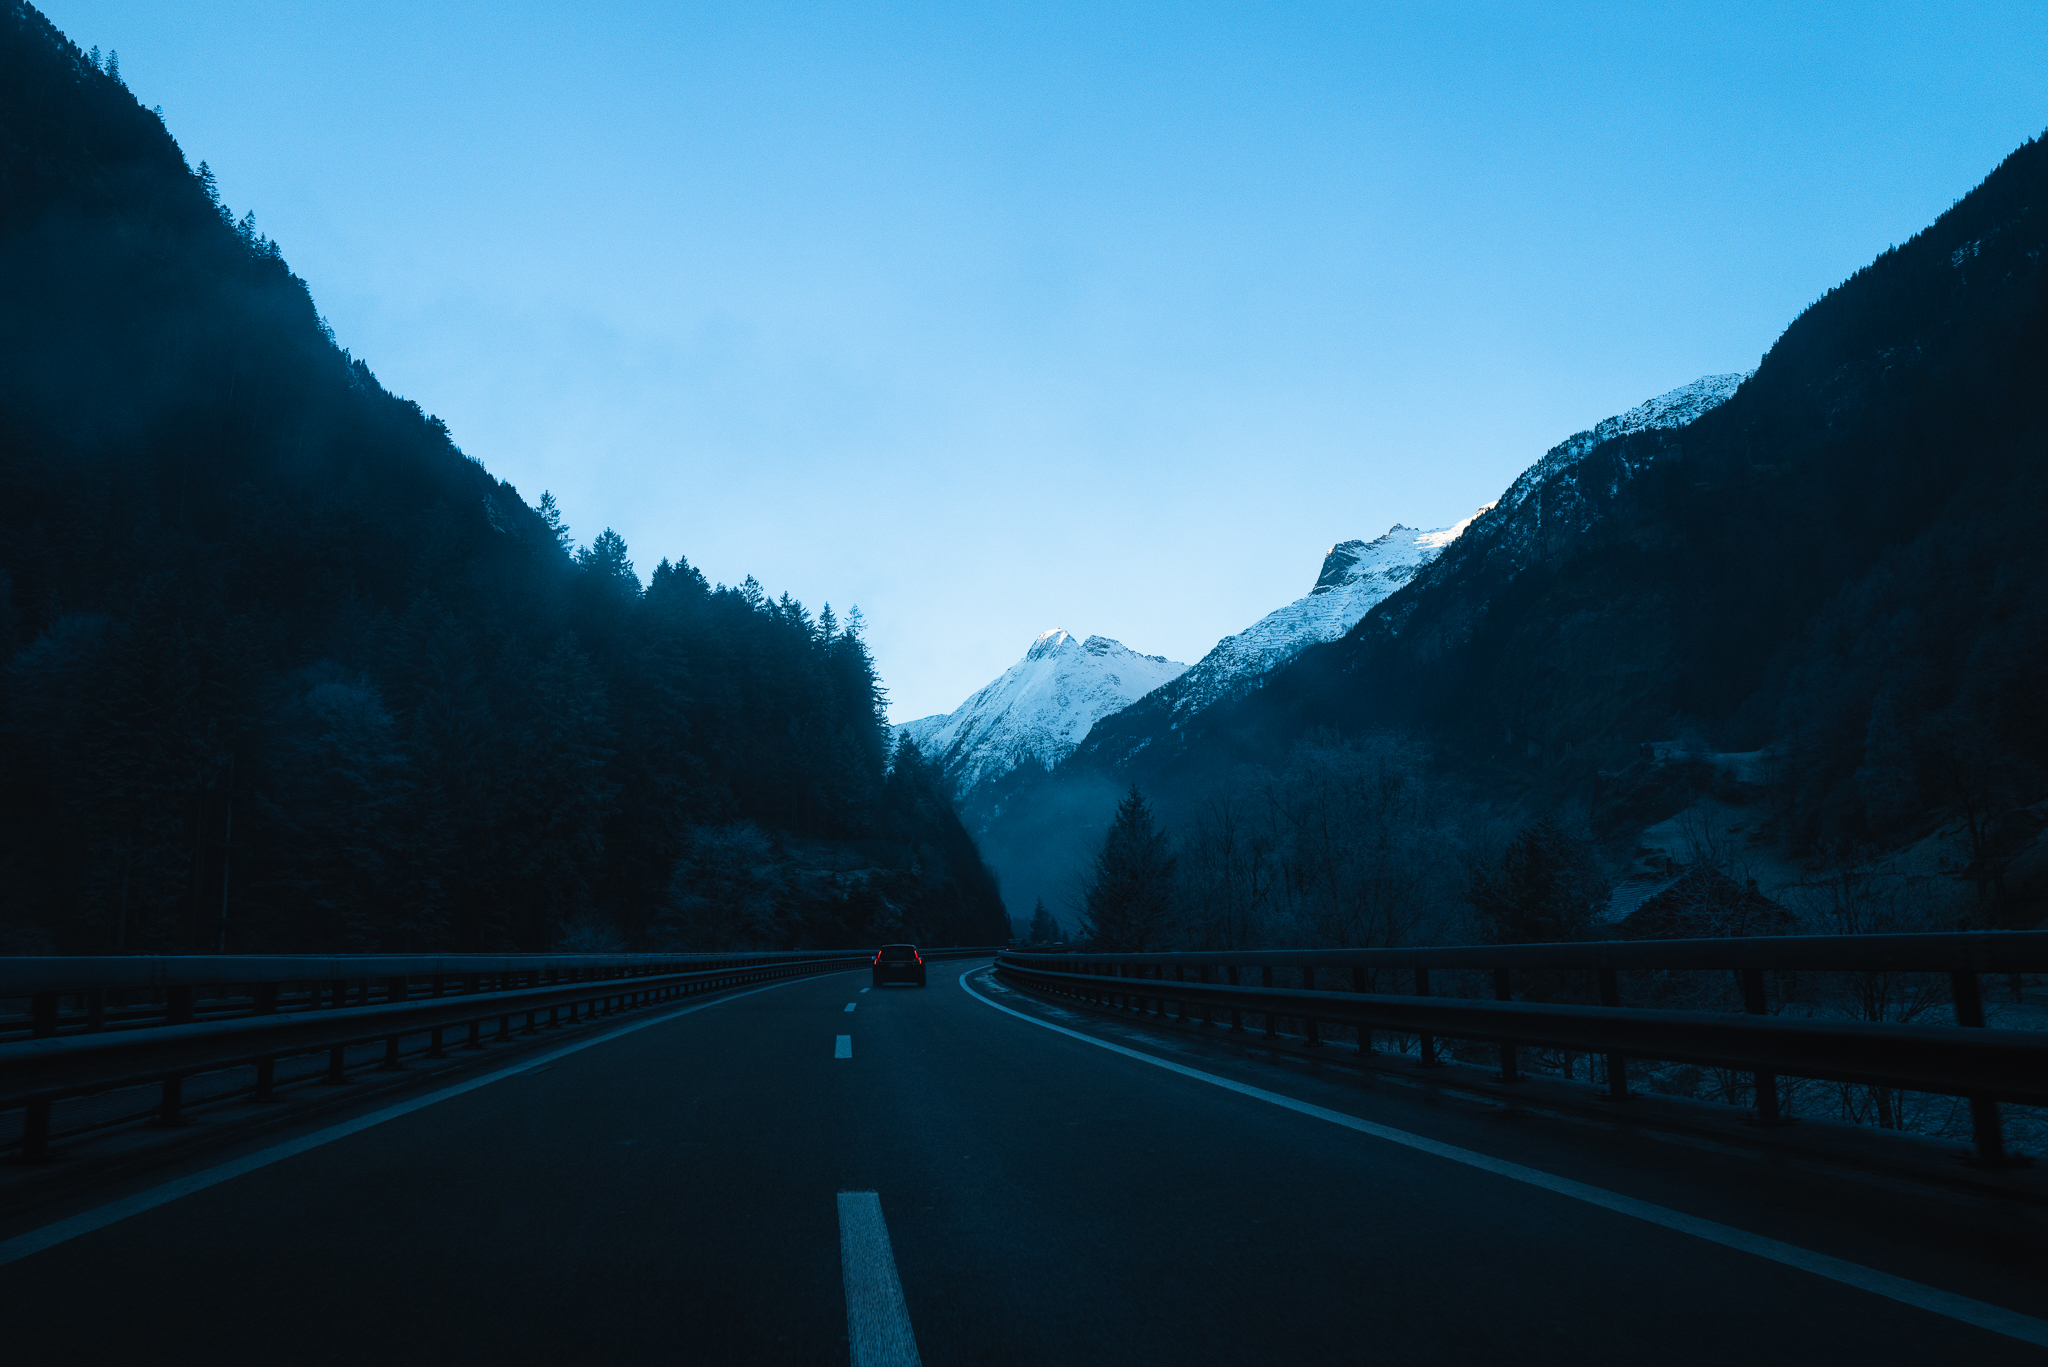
pixel 1548 887
pixel 227 550
pixel 1127 907
pixel 1044 929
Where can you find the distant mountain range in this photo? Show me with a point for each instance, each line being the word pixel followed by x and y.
pixel 1068 694
pixel 1830 569
pixel 1038 708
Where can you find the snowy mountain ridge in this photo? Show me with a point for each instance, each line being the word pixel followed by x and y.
pixel 1552 499
pixel 1355 576
pixel 1039 707
pixel 1674 409
pixel 1047 703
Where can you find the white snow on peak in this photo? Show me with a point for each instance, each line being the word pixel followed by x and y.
pixel 1356 575
pixel 1041 706
pixel 1675 409
pixel 1045 704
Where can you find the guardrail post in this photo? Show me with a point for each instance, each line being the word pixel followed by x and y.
pixel 1266 980
pixel 266 1068
pixel 1504 991
pixel 1236 1015
pixel 35 1132
pixel 1364 1031
pixel 337 1066
pixel 1986 1126
pixel 1425 1045
pixel 1208 1008
pixel 1617 1066
pixel 43 1015
pixel 1765 1084
pixel 96 1009
pixel 471 986
pixel 170 1109
pixel 395 990
pixel 178 1010
pixel 1311 1028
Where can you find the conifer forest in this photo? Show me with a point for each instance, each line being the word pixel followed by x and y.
pixel 287 671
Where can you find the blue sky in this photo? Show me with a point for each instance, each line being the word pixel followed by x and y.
pixel 991 319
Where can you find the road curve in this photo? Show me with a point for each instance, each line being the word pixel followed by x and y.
pixel 693 1190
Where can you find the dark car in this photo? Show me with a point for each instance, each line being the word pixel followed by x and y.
pixel 899 964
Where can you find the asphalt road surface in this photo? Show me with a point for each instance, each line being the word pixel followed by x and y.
pixel 697 1190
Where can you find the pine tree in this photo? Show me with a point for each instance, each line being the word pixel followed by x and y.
pixel 550 512
pixel 1044 930
pixel 606 562
pixel 1547 888
pixel 1129 898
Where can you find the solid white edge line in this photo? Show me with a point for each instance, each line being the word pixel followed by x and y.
pixel 1997 1319
pixel 61 1231
pixel 878 1332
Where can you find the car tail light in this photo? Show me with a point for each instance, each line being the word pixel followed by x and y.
pixel 878 956
pixel 917 956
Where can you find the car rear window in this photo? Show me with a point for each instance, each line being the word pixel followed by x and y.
pixel 899 949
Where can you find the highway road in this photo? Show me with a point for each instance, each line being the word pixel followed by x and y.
pixel 694 1187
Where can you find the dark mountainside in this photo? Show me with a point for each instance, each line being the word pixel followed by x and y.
pixel 285 670
pixel 1841 567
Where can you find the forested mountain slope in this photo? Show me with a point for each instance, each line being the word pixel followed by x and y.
pixel 1842 566
pixel 285 670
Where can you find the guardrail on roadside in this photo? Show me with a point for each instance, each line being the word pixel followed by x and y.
pixel 1964 1059
pixel 140 1020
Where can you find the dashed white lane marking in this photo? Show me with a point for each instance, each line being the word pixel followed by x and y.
pixel 36 1240
pixel 864 989
pixel 843 1047
pixel 877 1322
pixel 1996 1318
pixel 851 1005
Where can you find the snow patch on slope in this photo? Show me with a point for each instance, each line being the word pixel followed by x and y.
pixel 1674 409
pixel 1041 706
pixel 1356 575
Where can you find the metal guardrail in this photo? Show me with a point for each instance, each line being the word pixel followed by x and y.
pixel 290 1005
pixel 1974 951
pixel 69 974
pixel 1965 1059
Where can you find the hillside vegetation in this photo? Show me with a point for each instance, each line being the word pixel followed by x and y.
pixel 1821 603
pixel 286 670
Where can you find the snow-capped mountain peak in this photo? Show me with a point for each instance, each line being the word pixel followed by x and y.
pixel 1675 408
pixel 1046 703
pixel 1355 576
pixel 1041 706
